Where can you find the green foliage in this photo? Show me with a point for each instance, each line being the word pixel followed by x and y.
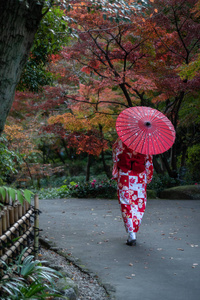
pixel 34 77
pixel 51 35
pixel 12 193
pixel 190 111
pixel 49 193
pixel 28 279
pixel 68 179
pixel 8 160
pixel 191 70
pixel 161 182
pixel 101 187
pixel 93 189
pixel 49 39
pixel 77 167
pixel 193 162
pixel 52 181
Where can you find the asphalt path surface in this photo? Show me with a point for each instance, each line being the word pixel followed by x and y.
pixel 165 263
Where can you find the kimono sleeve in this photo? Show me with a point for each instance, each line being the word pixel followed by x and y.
pixel 149 168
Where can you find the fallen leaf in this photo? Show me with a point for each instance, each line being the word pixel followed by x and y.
pixel 180 249
pixel 194 265
pixel 130 264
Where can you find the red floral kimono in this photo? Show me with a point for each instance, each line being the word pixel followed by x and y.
pixel 132 171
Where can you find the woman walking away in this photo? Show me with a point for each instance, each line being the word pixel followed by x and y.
pixel 143 131
pixel 132 171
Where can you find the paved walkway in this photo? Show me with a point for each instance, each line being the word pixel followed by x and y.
pixel 165 264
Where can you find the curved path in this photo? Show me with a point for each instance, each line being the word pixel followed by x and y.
pixel 165 264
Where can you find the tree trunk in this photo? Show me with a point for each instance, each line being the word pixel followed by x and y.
pixel 105 166
pixel 183 156
pixel 88 168
pixel 171 172
pixel 157 166
pixel 126 94
pixel 19 22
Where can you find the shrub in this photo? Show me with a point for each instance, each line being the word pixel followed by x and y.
pixel 94 189
pixel 161 182
pixel 8 161
pixel 193 161
pixel 102 188
pixel 52 181
pixel 50 193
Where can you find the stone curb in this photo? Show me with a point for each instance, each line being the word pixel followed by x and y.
pixel 110 290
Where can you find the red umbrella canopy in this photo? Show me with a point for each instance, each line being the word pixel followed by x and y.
pixel 145 130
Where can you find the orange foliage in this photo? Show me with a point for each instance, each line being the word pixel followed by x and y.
pixel 91 144
pixel 19 139
pixel 70 122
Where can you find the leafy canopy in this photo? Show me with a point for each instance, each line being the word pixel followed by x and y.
pixel 49 39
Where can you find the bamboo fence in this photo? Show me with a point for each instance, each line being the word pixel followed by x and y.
pixel 19 229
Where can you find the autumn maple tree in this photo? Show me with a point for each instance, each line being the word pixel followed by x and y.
pixel 177 43
pixel 84 130
pixel 91 102
pixel 139 60
pixel 111 53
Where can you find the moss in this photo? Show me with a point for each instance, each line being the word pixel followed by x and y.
pixel 187 192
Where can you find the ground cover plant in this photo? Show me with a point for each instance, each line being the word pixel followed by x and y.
pixel 106 188
pixel 101 187
pixel 28 279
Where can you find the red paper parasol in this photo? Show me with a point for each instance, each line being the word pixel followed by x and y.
pixel 145 130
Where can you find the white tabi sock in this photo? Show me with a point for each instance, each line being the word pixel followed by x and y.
pixel 132 236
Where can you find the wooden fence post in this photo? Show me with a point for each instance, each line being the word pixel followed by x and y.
pixel 36 226
pixel 15 222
